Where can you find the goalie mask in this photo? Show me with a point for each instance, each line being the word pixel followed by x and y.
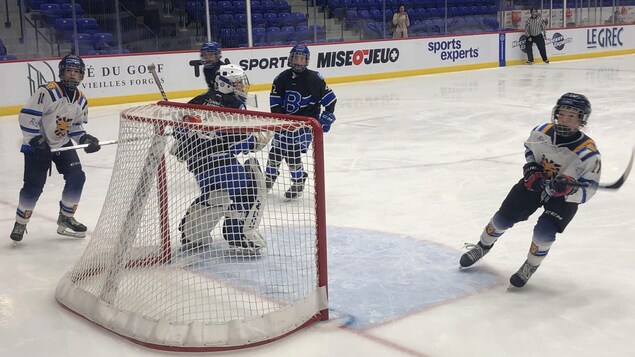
pixel 232 79
pixel 68 79
pixel 210 54
pixel 569 107
pixel 299 58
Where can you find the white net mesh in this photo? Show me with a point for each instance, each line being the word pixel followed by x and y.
pixel 191 251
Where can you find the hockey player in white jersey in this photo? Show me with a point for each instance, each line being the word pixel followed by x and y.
pixel 228 188
pixel 55 114
pixel 562 171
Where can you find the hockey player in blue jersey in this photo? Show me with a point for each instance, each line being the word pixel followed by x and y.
pixel 559 158
pixel 228 188
pixel 297 91
pixel 211 59
pixel 55 114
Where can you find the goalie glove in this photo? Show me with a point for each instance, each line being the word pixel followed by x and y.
pixel 93 143
pixel 261 139
pixel 533 176
pixel 561 186
pixel 326 119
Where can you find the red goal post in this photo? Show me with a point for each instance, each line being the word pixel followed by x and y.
pixel 143 279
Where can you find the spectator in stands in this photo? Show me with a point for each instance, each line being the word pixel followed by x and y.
pixel 536 33
pixel 616 18
pixel 400 23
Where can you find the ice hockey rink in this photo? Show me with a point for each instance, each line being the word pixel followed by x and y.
pixel 415 167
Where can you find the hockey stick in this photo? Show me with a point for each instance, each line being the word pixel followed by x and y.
pixel 81 146
pixel 252 100
pixel 153 70
pixel 611 186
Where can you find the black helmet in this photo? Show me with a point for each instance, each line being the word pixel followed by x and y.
pixel 571 101
pixel 74 62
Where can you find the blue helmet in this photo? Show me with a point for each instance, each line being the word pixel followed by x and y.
pixel 299 50
pixel 210 47
pixel 571 101
pixel 71 62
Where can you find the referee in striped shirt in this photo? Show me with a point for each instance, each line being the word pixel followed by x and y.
pixel 536 33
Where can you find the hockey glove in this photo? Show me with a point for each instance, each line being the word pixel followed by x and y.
pixel 41 148
pixel 326 119
pixel 533 176
pixel 561 185
pixel 93 143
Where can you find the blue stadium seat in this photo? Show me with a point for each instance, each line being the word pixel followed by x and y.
pixel 259 35
pixel 299 19
pixel 303 34
pixel 8 58
pixel 118 51
pixel 64 28
pixel 103 41
pixel 227 37
pixel 257 20
pixel 287 33
pixel 275 34
pixel 269 6
pixel 240 7
pixel 84 41
pixel 271 19
pixel 87 25
pixel 67 10
pixel 50 12
pixel 226 21
pixel 225 7
pixel 285 19
pixel 241 19
pixel 256 7
pixel 377 15
pixel 282 6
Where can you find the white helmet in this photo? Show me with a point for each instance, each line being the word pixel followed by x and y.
pixel 232 79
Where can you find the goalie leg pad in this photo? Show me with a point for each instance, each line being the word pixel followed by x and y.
pixel 202 217
pixel 241 225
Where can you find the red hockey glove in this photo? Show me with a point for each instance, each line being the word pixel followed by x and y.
pixel 533 176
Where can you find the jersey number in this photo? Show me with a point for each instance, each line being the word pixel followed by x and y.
pixel 292 101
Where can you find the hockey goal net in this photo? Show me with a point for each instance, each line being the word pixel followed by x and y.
pixel 191 252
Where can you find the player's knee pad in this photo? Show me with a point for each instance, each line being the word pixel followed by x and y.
pixel 545 231
pixel 202 217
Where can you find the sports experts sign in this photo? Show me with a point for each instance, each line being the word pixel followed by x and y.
pixel 452 50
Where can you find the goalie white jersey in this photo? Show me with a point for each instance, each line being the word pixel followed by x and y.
pixel 575 156
pixel 51 113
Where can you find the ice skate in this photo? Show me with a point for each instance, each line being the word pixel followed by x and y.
pixel 523 274
pixel 244 248
pixel 249 245
pixel 474 254
pixel 68 226
pixel 297 187
pixel 18 232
